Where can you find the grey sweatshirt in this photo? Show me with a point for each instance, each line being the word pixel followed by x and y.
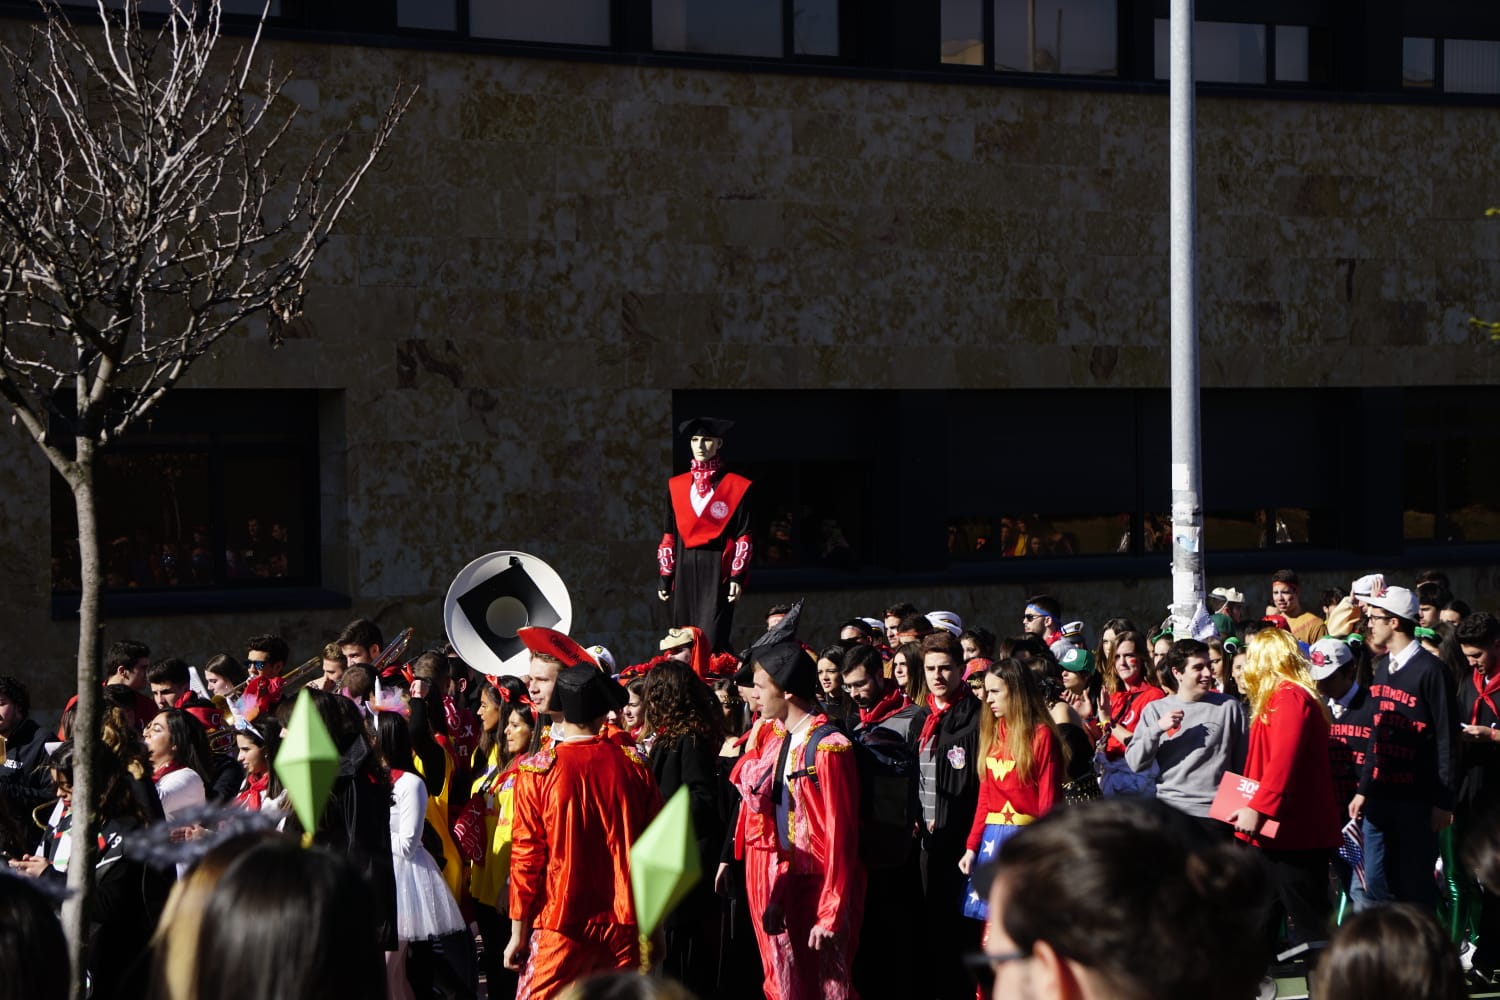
pixel 1210 741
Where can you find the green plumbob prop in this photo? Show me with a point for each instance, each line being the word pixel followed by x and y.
pixel 307 764
pixel 664 865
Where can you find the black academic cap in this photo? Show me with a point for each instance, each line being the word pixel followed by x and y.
pixel 783 630
pixel 790 666
pixel 583 694
pixel 710 426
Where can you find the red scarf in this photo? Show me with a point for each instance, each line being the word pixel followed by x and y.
pixel 162 772
pixel 703 474
pixel 935 714
pixel 255 788
pixel 1485 690
pixel 894 701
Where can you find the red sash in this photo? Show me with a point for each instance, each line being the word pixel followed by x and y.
pixel 697 530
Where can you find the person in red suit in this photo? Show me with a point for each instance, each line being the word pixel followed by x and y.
pixel 579 806
pixel 812 796
pixel 1288 756
pixel 704 553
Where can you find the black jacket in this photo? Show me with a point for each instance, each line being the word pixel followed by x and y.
pixel 957 752
pixel 25 782
pixel 357 824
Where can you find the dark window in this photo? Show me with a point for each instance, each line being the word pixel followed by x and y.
pixel 218 489
pixel 579 22
pixel 746 27
pixel 1471 67
pixel 1451 472
pixel 1078 37
pixel 1418 62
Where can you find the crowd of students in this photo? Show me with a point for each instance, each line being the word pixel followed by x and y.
pixel 909 808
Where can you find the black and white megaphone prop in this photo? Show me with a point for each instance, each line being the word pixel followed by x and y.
pixel 496 596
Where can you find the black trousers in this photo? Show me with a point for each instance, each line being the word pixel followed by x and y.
pixel 950 934
pixel 1301 881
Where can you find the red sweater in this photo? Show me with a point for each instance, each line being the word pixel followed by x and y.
pixel 1288 755
pixel 1125 710
pixel 1004 798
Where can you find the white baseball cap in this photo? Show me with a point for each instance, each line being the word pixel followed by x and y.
pixel 1327 656
pixel 1397 600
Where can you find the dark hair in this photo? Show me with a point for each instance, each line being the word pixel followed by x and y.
pixel 1142 651
pixel 1432 576
pixel 1182 650
pixel 1049 604
pixel 982 637
pixel 1462 607
pixel 901 610
pixel 1249 628
pixel 676 704
pixel 1479 629
pixel 120 696
pixel 169 671
pixel 834 654
pixel 113 795
pixel 942 642
pixel 916 683
pixel 920 624
pixel 265 732
pixel 190 741
pixel 528 716
pixel 737 717
pixel 1395 950
pixel 867 657
pixel 358 680
pixel 859 624
pixel 431 665
pixel 287 923
pixel 778 609
pixel 394 737
pixel 124 652
pixel 15 692
pixel 350 735
pixel 361 632
pixel 33 951
pixel 1130 923
pixel 1433 595
pixel 274 646
pixel 1288 577
pixel 227 667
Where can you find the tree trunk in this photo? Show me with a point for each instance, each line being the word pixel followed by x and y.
pixel 85 720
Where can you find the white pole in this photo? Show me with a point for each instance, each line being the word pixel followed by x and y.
pixel 1187 479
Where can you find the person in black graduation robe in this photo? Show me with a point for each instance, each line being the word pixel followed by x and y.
pixel 704 553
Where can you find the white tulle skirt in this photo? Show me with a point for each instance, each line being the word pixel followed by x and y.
pixel 424 906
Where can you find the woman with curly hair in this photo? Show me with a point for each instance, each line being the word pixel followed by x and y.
pixel 1288 758
pixel 686 720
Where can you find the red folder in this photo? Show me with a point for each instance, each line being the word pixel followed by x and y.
pixel 1235 792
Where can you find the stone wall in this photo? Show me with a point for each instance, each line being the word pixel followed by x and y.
pixel 550 248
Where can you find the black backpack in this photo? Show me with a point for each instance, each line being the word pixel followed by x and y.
pixel 888 803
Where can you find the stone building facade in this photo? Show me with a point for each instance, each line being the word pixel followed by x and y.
pixel 557 255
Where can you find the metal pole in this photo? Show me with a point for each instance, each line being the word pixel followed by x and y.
pixel 1187 479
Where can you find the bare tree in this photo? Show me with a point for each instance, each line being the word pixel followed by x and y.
pixel 147 208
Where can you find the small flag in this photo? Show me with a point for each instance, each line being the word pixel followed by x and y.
pixel 1353 849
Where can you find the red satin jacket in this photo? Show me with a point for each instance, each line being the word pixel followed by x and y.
pixel 823 821
pixel 578 808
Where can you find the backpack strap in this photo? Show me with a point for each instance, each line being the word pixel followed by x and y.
pixel 810 755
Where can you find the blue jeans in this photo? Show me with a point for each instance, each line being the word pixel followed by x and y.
pixel 1401 852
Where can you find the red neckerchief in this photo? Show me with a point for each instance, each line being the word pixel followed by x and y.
pixel 1485 690
pixel 894 701
pixel 935 714
pixel 255 788
pixel 703 474
pixel 162 772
